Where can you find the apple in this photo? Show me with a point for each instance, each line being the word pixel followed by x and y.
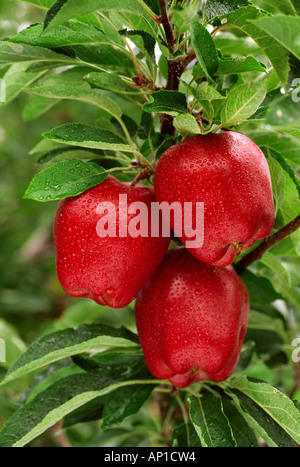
pixel 230 175
pixel 94 259
pixel 192 319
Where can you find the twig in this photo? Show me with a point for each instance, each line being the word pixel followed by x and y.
pixel 268 243
pixel 167 25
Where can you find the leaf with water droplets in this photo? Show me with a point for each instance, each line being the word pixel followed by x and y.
pixel 85 136
pixel 72 341
pixel 210 422
pixel 67 178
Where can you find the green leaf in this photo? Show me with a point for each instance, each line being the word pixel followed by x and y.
pixel 278 182
pixel 86 413
pixel 125 402
pixel 14 344
pixel 51 405
pixel 221 8
pixel 283 6
pixel 205 49
pixel 284 113
pixel 17 78
pixel 64 91
pixel 277 54
pixel 64 10
pixel 110 82
pixel 37 106
pixel 186 125
pixel 280 414
pixel 207 93
pixel 229 44
pixel 210 422
pixel 66 178
pixel 62 344
pixel 287 146
pixel 168 102
pixel 182 17
pixel 184 435
pixel 274 155
pixel 153 4
pixel 231 66
pixel 260 289
pixel 45 4
pixel 15 53
pixel 243 434
pixel 64 153
pixel 242 102
pixel 283 29
pixel 276 265
pixel 261 321
pixel 72 33
pixel 148 41
pixel 78 134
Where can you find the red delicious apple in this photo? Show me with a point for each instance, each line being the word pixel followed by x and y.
pixel 230 175
pixel 191 319
pixel 110 270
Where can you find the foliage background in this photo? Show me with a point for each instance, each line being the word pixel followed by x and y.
pixel 32 301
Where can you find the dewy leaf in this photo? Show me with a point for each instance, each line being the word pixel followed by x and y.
pixel 274 403
pixel 66 178
pixel 283 29
pixel 210 422
pixel 64 91
pixel 221 8
pixel 230 66
pixel 243 434
pixel 62 344
pixel 186 125
pixel 168 102
pixel 277 54
pixel 205 49
pixel 125 402
pixel 64 10
pixel 60 399
pixel 72 33
pixel 15 53
pixel 78 134
pixel 242 102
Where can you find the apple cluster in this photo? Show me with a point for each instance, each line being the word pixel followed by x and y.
pixel 191 306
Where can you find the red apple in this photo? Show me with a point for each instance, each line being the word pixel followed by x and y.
pixel 110 270
pixel 191 319
pixel 230 175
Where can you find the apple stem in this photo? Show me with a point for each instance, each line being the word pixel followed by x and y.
pixel 267 244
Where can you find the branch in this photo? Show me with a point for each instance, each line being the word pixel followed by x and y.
pixel 268 243
pixel 167 26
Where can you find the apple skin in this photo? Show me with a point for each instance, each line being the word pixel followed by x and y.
pixel 230 174
pixel 110 271
pixel 192 319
